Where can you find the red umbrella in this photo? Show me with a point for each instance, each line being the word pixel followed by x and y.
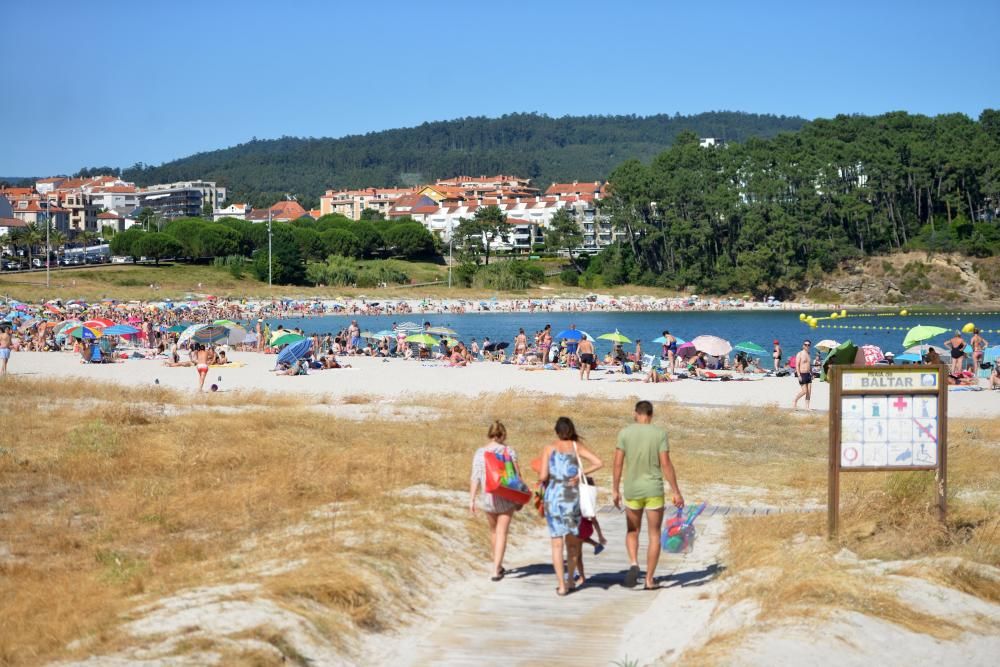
pixel 98 323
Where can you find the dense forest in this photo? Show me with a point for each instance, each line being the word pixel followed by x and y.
pixel 772 216
pixel 531 145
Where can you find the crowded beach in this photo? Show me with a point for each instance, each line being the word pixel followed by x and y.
pixel 238 345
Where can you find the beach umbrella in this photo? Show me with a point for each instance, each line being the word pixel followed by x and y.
pixel 295 351
pixel 826 345
pixel 423 339
pixel 208 334
pixel 99 322
pixel 686 350
pixel 235 333
pixel 713 345
pixel 369 334
pixel 178 328
pixel 55 310
pixel 845 353
pixel 750 348
pixel 615 337
pixel 285 337
pixel 496 347
pixel 661 340
pixel 62 327
pixel 121 330
pixel 385 333
pixel 921 333
pixel 570 334
pixel 442 331
pixel 450 342
pixel 84 332
pixel 409 327
pixel 870 355
pixel 909 358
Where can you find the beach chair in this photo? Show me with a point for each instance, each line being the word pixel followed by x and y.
pixel 96 356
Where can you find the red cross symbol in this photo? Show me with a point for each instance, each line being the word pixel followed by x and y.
pixel 899 404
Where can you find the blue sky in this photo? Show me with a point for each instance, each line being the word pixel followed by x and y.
pixel 88 84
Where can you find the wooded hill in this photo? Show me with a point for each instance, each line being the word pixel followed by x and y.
pixel 547 150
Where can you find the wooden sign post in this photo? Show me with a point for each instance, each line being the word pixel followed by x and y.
pixel 887 418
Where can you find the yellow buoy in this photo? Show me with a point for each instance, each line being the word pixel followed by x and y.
pixel 902 312
pixel 843 313
pixel 802 316
pixel 969 328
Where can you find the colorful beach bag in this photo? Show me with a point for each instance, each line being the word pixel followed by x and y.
pixel 502 479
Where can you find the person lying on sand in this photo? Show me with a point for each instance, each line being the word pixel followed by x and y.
pixel 657 374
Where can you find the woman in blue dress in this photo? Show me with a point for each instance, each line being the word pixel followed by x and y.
pixel 561 475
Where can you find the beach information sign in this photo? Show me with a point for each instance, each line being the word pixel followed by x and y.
pixel 887 419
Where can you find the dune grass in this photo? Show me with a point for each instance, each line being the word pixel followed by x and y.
pixel 108 504
pixel 787 567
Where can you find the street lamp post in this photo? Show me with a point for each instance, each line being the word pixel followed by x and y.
pixel 268 247
pixel 48 244
pixel 451 242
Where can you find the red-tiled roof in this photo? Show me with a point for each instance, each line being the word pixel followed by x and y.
pixel 12 222
pixel 572 188
pixel 107 215
pixel 287 210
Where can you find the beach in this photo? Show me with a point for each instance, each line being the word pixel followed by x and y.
pixel 410 381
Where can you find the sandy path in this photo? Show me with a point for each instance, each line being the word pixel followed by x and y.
pixel 521 620
pixel 398 379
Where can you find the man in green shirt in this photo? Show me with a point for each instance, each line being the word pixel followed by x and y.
pixel 643 452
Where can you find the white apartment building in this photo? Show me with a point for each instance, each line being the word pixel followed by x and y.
pixel 210 193
pixel 235 210
pixel 350 203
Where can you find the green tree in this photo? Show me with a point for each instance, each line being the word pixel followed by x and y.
pixel 410 240
pixel 124 244
pixel 157 246
pixel 286 263
pixel 30 237
pixel 371 214
pixel 207 211
pixel 478 233
pixel 563 233
pixel 341 242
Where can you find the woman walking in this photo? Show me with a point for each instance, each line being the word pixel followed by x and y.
pixel 560 473
pixel 499 511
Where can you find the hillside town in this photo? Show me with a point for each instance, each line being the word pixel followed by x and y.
pixel 84 210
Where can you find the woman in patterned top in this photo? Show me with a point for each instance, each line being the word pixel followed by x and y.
pixel 561 475
pixel 499 511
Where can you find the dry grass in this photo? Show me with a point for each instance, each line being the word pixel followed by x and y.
pixel 106 504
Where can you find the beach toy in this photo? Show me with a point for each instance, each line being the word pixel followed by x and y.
pixel 679 533
pixel 969 328
pixel 215 387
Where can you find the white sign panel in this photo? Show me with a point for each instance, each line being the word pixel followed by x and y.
pixel 889 430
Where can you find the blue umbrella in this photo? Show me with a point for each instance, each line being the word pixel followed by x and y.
pixel 570 334
pixel 295 351
pixel 909 358
pixel 121 330
pixel 661 340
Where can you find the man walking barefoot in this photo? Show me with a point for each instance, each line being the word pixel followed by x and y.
pixel 803 370
pixel 644 454
pixel 5 346
pixel 587 360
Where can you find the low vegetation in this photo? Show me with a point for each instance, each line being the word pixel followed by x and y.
pixel 113 506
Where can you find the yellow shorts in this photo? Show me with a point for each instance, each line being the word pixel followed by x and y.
pixel 651 503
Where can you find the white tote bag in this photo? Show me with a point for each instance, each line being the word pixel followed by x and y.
pixel 588 492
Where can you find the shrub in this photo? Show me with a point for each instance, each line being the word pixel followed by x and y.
pixel 511 275
pixel 570 278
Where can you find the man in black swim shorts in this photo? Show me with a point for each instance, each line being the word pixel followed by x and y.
pixel 587 360
pixel 803 369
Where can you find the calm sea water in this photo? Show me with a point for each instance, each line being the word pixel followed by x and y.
pixel 761 327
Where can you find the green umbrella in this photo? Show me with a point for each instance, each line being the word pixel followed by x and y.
pixel 178 328
pixel 844 353
pixel 921 333
pixel 285 337
pixel 615 337
pixel 424 339
pixel 750 348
